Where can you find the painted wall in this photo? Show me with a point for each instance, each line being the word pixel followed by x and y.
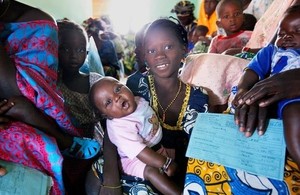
pixel 77 10
pixel 131 14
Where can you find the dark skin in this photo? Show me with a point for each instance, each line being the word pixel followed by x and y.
pixel 9 90
pixel 288 37
pixel 163 47
pixel 108 96
pixel 234 51
pixel 151 172
pixel 4 120
pixel 230 16
pixel 72 54
pixel 210 6
pixel 110 175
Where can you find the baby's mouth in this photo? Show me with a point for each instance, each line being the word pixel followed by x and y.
pixel 125 104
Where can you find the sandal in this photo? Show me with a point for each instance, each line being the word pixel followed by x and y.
pixel 83 148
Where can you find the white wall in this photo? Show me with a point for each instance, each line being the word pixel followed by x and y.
pixel 125 11
pixel 77 10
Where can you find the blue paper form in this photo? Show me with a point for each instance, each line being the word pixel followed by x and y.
pixel 216 138
pixel 21 180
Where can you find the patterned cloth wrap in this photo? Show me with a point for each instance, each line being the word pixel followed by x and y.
pixel 33 48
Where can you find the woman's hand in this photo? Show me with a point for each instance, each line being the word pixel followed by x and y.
pixel 249 117
pixel 280 86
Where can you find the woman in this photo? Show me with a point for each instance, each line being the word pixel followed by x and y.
pixel 40 128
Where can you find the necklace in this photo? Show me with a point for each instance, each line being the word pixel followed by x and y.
pixel 154 105
pixel 4 9
pixel 170 104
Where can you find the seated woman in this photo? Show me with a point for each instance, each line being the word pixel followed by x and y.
pixel 39 127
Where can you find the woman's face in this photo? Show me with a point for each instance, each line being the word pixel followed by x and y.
pixel 163 52
pixel 210 6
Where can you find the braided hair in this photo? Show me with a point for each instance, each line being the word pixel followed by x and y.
pixel 167 23
pixel 66 25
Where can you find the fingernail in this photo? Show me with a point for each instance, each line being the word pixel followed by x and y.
pixel 247 134
pixel 260 133
pixel 247 101
pixel 240 101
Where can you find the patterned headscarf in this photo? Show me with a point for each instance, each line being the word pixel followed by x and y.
pixel 183 8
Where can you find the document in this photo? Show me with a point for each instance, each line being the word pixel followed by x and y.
pixel 216 138
pixel 21 180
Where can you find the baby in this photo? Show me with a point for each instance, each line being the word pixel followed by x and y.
pixel 133 127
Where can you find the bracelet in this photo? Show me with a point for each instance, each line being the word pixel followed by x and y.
pixel 111 187
pixel 165 167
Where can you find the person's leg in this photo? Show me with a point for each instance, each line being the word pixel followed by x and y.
pixel 161 181
pixel 291 122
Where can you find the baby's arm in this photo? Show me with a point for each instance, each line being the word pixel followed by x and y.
pixel 156 160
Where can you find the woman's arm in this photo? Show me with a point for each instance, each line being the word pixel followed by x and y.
pixel 19 12
pixel 111 175
pixel 270 90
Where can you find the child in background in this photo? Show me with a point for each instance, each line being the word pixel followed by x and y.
pixel 200 40
pixel 207 16
pixel 74 84
pixel 249 22
pixel 273 59
pixel 133 127
pixel 75 87
pixel 230 19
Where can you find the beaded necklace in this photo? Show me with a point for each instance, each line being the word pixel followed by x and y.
pixel 155 103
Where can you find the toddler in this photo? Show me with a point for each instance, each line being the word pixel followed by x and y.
pixel 133 127
pixel 200 40
pixel 230 19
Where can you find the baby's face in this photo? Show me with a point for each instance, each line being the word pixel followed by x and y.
pixel 288 35
pixel 113 99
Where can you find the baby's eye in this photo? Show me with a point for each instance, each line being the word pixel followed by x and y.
pixel 280 34
pixel 118 89
pixel 108 102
